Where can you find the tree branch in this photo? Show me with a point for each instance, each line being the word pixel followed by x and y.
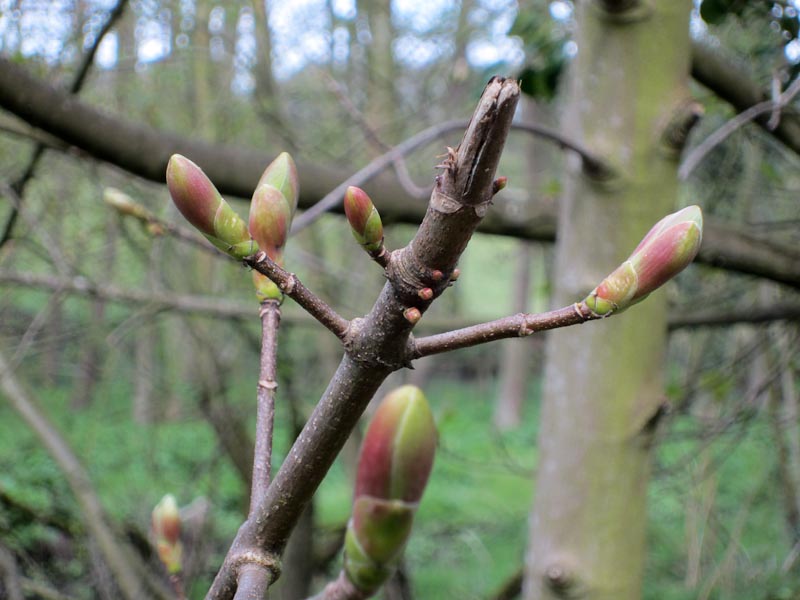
pixel 235 171
pixel 519 325
pixel 376 344
pixel 290 285
pixel 270 314
pixel 77 83
pixel 730 82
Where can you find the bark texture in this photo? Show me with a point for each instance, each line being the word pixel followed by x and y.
pixel 603 381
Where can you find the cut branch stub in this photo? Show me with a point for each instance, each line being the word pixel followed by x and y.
pixel 664 252
pixel 394 464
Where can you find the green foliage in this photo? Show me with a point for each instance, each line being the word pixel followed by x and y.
pixel 543 40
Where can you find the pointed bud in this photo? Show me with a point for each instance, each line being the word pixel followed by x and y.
pixel 664 252
pixel 398 448
pixel 365 222
pixel 166 521
pixel 394 464
pixel 202 205
pixel 282 175
pixel 499 184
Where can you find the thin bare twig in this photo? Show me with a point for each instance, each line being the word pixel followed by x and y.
pixel 270 314
pixel 519 325
pixel 592 163
pixel 77 83
pixel 699 153
pixel 290 285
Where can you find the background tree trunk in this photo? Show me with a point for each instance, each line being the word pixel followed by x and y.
pixel 603 381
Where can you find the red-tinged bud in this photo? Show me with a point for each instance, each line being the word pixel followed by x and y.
pixel 270 219
pixel 425 293
pixel 456 274
pixel 663 253
pixel 282 175
pixel 499 184
pixel 166 521
pixel 398 448
pixel 412 315
pixel 193 193
pixel 365 221
pixel 437 275
pixel 202 205
pixel 394 464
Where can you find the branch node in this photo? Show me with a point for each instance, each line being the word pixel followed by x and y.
pixel 265 560
pixel 267 385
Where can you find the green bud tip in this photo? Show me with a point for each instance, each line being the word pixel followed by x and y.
pixel 365 221
pixel 281 174
pixel 664 252
pixel 266 289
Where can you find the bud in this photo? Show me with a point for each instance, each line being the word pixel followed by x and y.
pixel 394 464
pixel 664 252
pixel 202 205
pixel 270 219
pixel 166 532
pixel 266 289
pixel 282 174
pixel 124 204
pixel 365 222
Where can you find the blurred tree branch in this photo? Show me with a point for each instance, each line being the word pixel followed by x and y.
pixel 145 151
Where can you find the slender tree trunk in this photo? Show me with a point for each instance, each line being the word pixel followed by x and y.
pixel 603 381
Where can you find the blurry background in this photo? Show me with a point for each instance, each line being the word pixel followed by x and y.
pixel 142 348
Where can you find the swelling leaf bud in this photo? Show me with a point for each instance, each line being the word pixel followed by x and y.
pixel 270 219
pixel 202 205
pixel 664 252
pixel 365 221
pixel 394 464
pixel 166 522
pixel 282 175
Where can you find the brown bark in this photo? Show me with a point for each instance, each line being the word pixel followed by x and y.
pixel 376 344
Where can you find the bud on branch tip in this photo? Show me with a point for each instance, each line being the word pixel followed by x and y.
pixel 202 205
pixel 664 252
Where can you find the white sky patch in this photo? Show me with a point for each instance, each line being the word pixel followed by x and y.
pixel 560 10
pixel 107 51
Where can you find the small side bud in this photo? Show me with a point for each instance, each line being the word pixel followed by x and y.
pixel 365 221
pixel 266 289
pixel 166 523
pixel 499 184
pixel 412 315
pixel 456 274
pixel 437 275
pixel 395 461
pixel 425 293
pixel 664 252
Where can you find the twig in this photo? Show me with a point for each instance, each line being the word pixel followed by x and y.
pixel 270 314
pixel 697 155
pixel 375 345
pixel 77 83
pixel 290 285
pixel 520 325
